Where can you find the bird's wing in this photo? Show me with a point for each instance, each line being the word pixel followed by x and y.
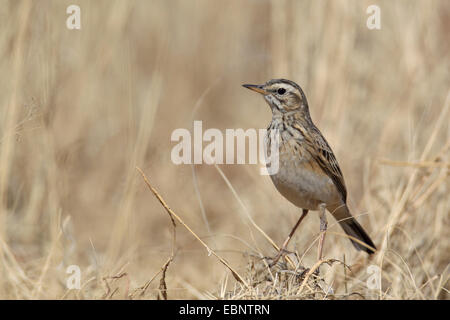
pixel 321 151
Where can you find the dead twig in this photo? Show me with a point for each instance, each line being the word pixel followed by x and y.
pixel 162 282
pixel 108 287
pixel 173 214
pixel 162 295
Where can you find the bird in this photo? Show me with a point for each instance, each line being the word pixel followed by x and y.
pixel 308 173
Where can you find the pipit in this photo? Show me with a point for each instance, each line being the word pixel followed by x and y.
pixel 308 175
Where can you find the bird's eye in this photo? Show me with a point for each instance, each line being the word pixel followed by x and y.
pixel 281 91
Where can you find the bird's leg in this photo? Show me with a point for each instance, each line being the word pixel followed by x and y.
pixel 283 247
pixel 323 228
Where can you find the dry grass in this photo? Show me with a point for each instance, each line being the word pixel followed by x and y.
pixel 80 110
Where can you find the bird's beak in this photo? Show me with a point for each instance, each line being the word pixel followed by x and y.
pixel 256 88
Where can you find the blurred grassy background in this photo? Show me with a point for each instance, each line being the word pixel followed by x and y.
pixel 80 109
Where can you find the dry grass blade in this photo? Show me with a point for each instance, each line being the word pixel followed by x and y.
pixel 143 289
pixel 170 211
pixel 194 174
pixel 249 217
pixel 423 164
pixel 110 293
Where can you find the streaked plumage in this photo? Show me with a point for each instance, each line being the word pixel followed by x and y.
pixel 309 175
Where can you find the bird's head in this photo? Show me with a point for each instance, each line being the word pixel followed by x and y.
pixel 282 95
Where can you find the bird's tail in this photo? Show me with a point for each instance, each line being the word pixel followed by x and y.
pixel 352 228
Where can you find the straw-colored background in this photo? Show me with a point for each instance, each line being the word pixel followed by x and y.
pixel 80 109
